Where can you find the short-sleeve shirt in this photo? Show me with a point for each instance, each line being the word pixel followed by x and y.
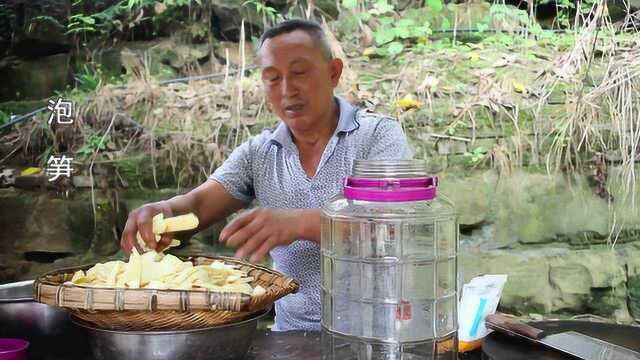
pixel 267 169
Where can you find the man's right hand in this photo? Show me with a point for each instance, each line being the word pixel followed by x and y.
pixel 210 202
pixel 140 220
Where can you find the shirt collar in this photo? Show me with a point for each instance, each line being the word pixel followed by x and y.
pixel 346 122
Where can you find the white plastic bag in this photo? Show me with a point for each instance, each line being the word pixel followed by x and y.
pixel 480 298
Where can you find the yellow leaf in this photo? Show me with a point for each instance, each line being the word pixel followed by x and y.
pixel 407 103
pixel 518 87
pixel 245 82
pixel 369 51
pixel 30 171
pixel 474 56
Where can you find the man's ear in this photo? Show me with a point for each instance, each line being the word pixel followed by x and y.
pixel 335 68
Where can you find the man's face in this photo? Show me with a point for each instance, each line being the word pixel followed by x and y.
pixel 298 79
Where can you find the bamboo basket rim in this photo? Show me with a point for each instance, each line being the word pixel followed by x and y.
pixel 88 325
pixel 288 286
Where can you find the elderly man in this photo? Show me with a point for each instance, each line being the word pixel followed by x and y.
pixel 291 172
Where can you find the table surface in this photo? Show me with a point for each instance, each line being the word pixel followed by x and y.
pixel 267 345
pixel 291 345
pixel 298 345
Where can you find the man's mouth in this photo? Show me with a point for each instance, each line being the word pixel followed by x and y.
pixel 294 109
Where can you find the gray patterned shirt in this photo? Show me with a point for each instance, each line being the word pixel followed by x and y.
pixel 267 168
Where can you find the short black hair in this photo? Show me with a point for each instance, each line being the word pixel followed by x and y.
pixel 312 28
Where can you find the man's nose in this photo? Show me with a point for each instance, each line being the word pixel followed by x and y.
pixel 289 87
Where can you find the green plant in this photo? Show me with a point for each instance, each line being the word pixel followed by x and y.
pixel 269 14
pixel 91 145
pixel 81 23
pixel 476 155
pixel 115 16
pixel 4 118
pixel 393 31
pixel 566 10
pixel 89 77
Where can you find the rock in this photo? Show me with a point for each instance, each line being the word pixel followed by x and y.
pixel 12 268
pixel 625 207
pixel 82 181
pixel 321 8
pixel 35 222
pixel 28 80
pixel 632 257
pixel 227 17
pixel 527 288
pixel 7 177
pixel 448 146
pixel 548 280
pixel 611 302
pixel 535 208
pixel 589 281
pixel 571 279
pixel 485 143
pixel 605 268
pixel 619 9
pixel 222 48
pixel 470 195
pixel 31 182
pixel 133 54
pixel 633 285
pixel 179 55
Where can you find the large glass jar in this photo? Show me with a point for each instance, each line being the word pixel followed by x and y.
pixel 389 266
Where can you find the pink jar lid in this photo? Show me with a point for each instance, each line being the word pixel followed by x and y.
pixel 390 190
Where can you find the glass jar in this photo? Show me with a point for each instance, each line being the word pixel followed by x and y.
pixel 389 266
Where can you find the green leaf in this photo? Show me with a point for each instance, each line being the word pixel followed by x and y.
pixel 365 16
pixel 349 4
pixel 395 48
pixel 482 27
pixel 403 32
pixel 381 7
pixel 382 51
pixel 446 25
pixel 383 36
pixel 386 20
pixel 405 22
pixel 435 5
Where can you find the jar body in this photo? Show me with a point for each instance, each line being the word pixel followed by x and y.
pixel 389 279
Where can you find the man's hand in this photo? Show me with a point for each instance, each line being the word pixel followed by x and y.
pixel 140 221
pixel 256 232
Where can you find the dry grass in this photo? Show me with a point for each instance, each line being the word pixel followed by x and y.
pixel 187 130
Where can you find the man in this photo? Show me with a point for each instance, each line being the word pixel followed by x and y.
pixel 291 171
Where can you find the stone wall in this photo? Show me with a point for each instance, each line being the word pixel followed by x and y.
pixel 46 230
pixel 566 250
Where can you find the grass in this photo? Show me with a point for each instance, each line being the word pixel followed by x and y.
pixel 552 100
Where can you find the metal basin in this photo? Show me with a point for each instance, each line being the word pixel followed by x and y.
pixel 224 342
pixel 46 327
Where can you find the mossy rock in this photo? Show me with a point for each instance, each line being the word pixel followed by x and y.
pixel 21 107
pixel 633 285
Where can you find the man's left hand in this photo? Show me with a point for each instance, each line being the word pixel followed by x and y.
pixel 257 231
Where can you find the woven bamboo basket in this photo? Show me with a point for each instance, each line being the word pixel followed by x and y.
pixel 151 309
